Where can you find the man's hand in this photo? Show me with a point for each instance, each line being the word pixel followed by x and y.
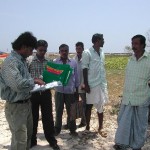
pixel 39 81
pixel 87 88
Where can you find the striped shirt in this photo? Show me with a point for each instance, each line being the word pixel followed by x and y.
pixel 36 66
pixel 136 89
pixel 16 82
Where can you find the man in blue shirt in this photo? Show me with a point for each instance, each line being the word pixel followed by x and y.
pixel 65 94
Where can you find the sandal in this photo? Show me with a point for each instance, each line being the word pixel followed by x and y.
pixel 102 133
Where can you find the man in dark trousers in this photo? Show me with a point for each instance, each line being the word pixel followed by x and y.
pixel 66 94
pixel 42 99
pixel 79 50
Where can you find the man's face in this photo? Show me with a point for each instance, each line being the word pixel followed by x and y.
pixel 100 42
pixel 41 50
pixel 79 50
pixel 136 45
pixel 26 51
pixel 64 52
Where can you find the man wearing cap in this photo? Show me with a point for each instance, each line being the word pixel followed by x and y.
pixel 42 99
pixel 95 80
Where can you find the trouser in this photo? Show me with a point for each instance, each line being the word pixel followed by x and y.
pixel 60 100
pixel 83 98
pixel 19 117
pixel 43 100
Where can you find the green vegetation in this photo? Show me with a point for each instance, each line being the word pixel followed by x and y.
pixel 115 62
pixel 115 69
pixel 1 61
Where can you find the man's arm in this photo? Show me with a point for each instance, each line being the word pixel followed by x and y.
pixel 85 77
pixel 85 67
pixel 76 73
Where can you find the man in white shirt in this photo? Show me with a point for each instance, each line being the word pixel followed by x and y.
pixel 82 94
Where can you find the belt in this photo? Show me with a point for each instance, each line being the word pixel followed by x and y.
pixel 22 101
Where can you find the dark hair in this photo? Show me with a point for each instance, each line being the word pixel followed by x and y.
pixel 142 39
pixel 25 39
pixel 42 43
pixel 96 37
pixel 63 45
pixel 80 44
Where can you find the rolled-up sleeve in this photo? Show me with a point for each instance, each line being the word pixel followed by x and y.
pixel 85 60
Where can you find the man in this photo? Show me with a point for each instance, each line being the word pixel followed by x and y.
pixel 65 94
pixel 82 94
pixel 16 84
pixel 95 81
pixel 42 99
pixel 133 115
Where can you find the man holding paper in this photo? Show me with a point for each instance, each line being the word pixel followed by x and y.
pixel 15 86
pixel 42 98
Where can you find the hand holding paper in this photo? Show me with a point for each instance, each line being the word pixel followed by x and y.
pixel 46 86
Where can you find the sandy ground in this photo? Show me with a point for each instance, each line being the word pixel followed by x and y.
pixel 84 141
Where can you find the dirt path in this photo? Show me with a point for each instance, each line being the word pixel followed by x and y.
pixel 85 141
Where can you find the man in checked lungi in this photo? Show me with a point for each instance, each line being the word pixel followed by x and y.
pixel 133 115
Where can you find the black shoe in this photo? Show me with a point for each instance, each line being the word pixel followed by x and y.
pixel 73 133
pixel 118 147
pixel 81 125
pixel 65 127
pixel 55 147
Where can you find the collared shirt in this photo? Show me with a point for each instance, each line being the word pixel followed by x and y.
pixel 36 66
pixel 80 72
pixel 73 83
pixel 136 90
pixel 16 82
pixel 96 68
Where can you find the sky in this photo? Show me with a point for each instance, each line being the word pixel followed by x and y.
pixel 70 21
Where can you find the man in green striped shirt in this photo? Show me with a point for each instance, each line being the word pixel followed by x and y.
pixel 133 115
pixel 15 86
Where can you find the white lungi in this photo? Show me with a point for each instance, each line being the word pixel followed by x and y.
pixel 96 97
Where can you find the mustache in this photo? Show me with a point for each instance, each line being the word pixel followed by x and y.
pixel 133 48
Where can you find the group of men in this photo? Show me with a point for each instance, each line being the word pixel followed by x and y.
pixel 88 80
